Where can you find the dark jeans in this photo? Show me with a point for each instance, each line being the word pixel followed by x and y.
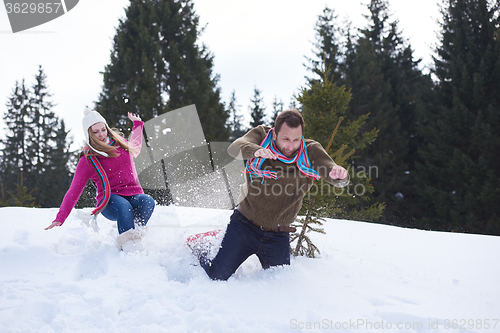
pixel 129 210
pixel 241 240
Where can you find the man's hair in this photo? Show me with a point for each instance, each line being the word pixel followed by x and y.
pixel 292 118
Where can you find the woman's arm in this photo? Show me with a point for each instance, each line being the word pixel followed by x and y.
pixel 80 179
pixel 136 135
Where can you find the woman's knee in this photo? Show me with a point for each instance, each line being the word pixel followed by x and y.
pixel 148 201
pixel 142 200
pixel 116 207
pixel 144 209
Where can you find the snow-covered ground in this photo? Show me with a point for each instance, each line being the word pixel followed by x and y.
pixel 368 278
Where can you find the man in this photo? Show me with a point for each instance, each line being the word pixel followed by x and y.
pixel 281 167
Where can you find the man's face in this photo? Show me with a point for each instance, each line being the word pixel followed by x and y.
pixel 288 139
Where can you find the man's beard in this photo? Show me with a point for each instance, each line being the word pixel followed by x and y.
pixel 292 154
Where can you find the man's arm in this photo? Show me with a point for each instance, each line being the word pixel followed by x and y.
pixel 326 167
pixel 245 148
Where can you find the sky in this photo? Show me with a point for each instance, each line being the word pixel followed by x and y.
pixel 256 44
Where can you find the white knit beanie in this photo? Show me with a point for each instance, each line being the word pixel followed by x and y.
pixel 90 118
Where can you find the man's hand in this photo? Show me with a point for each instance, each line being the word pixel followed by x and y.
pixel 338 172
pixel 133 117
pixel 54 224
pixel 265 153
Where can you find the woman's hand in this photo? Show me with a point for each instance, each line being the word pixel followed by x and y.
pixel 54 224
pixel 133 117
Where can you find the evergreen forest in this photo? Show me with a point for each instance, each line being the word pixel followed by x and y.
pixel 422 148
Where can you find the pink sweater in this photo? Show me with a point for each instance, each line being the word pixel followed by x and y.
pixel 120 170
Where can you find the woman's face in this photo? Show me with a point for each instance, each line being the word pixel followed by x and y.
pixel 99 131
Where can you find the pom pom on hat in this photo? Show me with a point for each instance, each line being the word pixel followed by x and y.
pixel 91 117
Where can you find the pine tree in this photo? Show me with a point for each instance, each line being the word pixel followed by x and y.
pixel 277 108
pixel 22 197
pixel 55 180
pixel 44 122
pixel 373 64
pixel 235 124
pixel 257 110
pixel 324 108
pixel 385 82
pixel 36 149
pixel 157 66
pixel 49 149
pixel 189 79
pixel 132 80
pixel 17 141
pixel 460 158
pixel 4 201
pixel 329 44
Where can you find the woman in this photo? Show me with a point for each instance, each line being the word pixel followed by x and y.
pixel 107 159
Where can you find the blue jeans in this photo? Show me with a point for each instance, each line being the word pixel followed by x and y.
pixel 129 210
pixel 241 240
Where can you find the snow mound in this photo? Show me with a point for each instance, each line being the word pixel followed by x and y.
pixel 368 278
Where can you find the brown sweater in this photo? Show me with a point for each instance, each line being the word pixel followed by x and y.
pixel 276 202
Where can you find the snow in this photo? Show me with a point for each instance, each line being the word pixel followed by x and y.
pixel 368 278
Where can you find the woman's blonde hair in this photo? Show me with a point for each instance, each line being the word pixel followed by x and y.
pixel 116 135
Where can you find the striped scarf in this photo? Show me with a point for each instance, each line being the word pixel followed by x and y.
pixel 254 165
pixel 103 178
